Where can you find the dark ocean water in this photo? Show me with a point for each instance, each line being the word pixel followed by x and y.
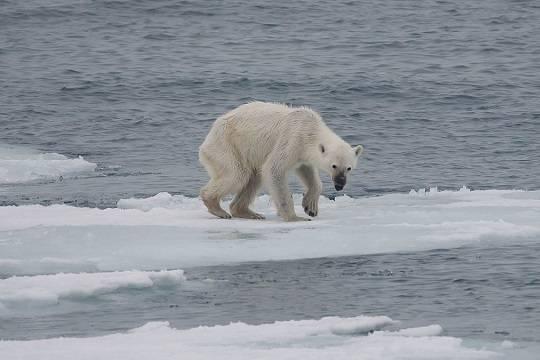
pixel 473 293
pixel 441 93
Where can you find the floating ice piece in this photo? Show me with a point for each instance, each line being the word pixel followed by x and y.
pixel 305 339
pixel 20 165
pixel 360 325
pixel 49 289
pixel 434 191
pixel 430 330
pixel 507 344
pixel 165 231
pixel 162 200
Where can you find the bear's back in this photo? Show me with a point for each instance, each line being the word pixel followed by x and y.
pixel 255 129
pixel 270 118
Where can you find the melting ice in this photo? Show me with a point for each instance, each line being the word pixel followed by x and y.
pixel 21 165
pixel 171 232
pixel 99 248
pixel 328 338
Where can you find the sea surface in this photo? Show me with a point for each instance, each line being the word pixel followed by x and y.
pixel 441 94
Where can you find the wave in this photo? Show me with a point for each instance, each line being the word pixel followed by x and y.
pixel 22 165
pixel 327 338
pixel 173 231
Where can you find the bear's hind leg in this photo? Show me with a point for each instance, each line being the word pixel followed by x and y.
pixel 211 195
pixel 240 204
pixel 222 182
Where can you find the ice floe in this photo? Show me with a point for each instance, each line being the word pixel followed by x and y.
pixel 50 289
pixel 430 330
pixel 21 165
pixel 304 339
pixel 166 231
pixel 162 200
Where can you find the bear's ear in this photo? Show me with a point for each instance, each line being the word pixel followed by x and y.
pixel 358 149
pixel 321 147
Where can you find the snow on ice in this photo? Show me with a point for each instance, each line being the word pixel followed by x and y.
pixel 171 232
pixel 49 289
pixel 304 339
pixel 21 165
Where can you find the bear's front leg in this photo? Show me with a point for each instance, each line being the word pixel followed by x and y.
pixel 309 176
pixel 275 179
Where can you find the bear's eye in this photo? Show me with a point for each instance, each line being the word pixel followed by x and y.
pixel 349 168
pixel 334 166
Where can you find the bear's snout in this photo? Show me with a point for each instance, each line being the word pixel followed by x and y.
pixel 339 182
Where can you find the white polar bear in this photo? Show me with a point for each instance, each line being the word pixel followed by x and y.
pixel 259 143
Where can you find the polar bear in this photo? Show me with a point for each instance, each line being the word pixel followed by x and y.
pixel 258 144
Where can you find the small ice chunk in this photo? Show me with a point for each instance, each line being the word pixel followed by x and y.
pixel 21 165
pixel 507 344
pixel 430 330
pixel 360 325
pixel 161 200
pixel 49 289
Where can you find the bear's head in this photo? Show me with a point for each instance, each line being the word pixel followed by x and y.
pixel 338 160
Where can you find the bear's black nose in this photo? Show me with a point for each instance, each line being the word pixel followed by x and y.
pixel 339 182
